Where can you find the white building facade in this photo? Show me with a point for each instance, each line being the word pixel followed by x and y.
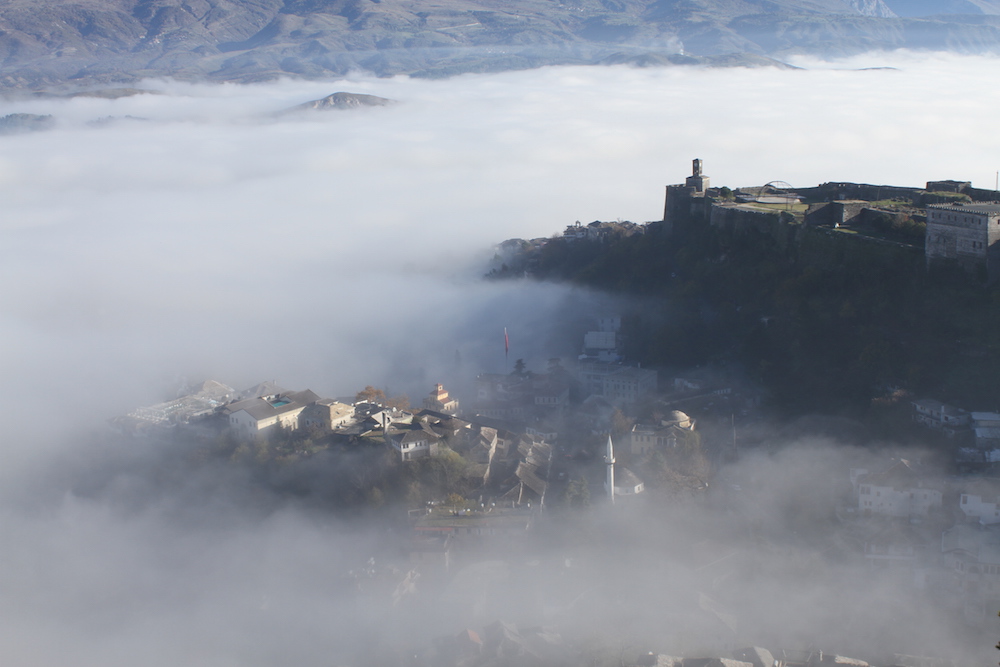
pixel 911 503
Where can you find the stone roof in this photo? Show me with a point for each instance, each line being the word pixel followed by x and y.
pixel 983 208
pixel 901 474
pixel 626 478
pixel 678 418
pixel 260 408
pixel 414 435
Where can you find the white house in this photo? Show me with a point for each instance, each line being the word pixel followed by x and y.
pixel 645 438
pixel 986 426
pixel 892 544
pixel 551 395
pixel 899 491
pixel 940 416
pixel 252 417
pixel 973 554
pixel 627 483
pixel 619 384
pixel 542 430
pixel 980 501
pixel 413 443
pixel 599 340
pixel 985 511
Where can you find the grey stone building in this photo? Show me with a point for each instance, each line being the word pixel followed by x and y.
pixel 688 199
pixel 966 233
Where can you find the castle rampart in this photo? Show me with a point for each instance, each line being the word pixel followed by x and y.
pixel 959 230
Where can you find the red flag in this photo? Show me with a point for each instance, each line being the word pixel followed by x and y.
pixel 506 344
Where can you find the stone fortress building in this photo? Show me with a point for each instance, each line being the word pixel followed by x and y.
pixel 962 222
pixel 688 198
pixel 965 232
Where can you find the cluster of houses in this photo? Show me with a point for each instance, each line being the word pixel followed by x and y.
pixel 513 458
pixel 506 643
pixel 508 431
pixel 944 530
pixel 599 231
pixel 516 432
pixel 977 434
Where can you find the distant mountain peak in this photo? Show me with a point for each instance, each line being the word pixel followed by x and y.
pixel 874 8
pixel 342 100
pixel 110 44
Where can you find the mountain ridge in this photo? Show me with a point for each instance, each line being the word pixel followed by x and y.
pixel 100 42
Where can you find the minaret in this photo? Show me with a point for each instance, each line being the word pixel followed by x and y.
pixel 609 460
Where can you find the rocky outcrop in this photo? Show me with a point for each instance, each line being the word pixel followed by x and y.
pixel 875 8
pixel 342 101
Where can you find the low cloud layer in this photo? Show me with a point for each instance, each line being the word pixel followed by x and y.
pixel 331 251
pixel 211 239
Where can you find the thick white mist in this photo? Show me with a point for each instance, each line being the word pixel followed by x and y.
pixel 331 251
pixel 335 250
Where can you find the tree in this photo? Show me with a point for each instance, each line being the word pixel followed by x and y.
pixel 374 497
pixel 370 395
pixel 620 423
pixel 519 368
pixel 577 493
pixel 401 402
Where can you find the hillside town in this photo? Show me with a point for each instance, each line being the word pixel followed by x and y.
pixel 948 221
pixel 516 450
pixel 596 431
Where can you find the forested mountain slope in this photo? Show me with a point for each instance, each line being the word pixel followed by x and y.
pixel 826 321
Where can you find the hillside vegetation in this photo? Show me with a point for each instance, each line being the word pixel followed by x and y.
pixel 826 321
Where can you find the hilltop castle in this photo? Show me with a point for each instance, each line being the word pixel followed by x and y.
pixel 955 222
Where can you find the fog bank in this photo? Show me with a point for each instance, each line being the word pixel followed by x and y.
pixel 331 250
pixel 199 236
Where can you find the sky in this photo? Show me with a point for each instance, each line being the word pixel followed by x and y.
pixel 198 235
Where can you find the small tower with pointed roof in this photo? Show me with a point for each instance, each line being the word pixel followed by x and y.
pixel 440 401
